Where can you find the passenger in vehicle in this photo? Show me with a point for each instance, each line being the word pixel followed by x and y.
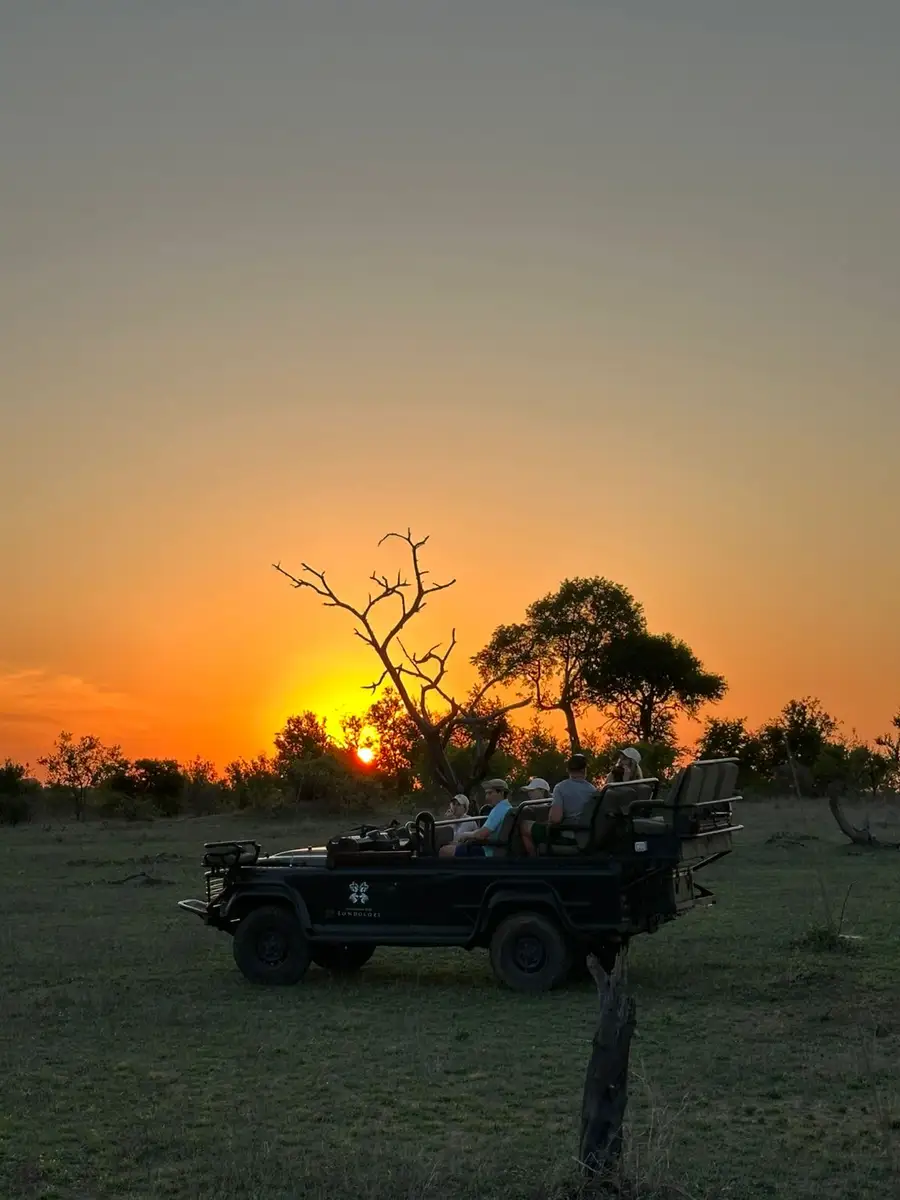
pixel 456 810
pixel 627 767
pixel 537 789
pixel 474 844
pixel 568 801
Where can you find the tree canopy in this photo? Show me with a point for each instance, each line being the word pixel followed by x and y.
pixel 563 634
pixel 649 679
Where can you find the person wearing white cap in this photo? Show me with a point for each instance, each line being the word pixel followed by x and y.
pixel 456 810
pixel 627 766
pixel 537 789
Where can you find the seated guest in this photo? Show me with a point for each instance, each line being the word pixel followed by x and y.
pixel 627 766
pixel 568 801
pixel 456 810
pixel 474 844
pixel 537 789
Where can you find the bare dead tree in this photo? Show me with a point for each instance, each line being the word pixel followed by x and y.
pixel 605 1096
pixel 419 679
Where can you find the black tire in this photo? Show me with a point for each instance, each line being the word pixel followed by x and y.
pixel 529 953
pixel 342 958
pixel 271 947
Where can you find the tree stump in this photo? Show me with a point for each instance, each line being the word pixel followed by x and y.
pixel 606 1083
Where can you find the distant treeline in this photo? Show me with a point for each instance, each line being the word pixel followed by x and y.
pixel 314 769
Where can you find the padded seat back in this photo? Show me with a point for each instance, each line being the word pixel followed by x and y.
pixel 728 777
pixel 500 841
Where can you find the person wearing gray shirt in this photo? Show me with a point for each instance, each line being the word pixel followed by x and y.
pixel 571 795
pixel 568 802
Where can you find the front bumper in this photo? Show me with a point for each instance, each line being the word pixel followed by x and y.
pixel 199 907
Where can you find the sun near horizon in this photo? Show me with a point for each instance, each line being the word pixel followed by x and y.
pixel 614 293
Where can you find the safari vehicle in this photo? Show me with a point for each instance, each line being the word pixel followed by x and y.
pixel 627 867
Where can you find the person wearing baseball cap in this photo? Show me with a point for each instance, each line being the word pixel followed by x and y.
pixel 537 789
pixel 457 811
pixel 568 801
pixel 627 766
pixel 474 844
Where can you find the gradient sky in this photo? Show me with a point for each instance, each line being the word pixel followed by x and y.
pixel 575 287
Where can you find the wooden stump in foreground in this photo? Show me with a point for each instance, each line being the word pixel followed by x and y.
pixel 606 1082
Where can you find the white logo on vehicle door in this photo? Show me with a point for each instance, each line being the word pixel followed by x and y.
pixel 359 893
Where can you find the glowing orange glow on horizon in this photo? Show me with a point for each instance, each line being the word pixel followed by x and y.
pixel 365 754
pixel 541 364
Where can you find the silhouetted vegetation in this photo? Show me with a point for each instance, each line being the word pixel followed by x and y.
pixel 583 652
pixel 17 792
pixel 801 750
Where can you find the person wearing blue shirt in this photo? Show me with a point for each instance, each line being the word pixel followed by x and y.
pixel 475 844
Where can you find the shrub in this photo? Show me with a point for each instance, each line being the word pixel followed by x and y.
pixel 16 809
pixel 125 806
pixel 15 793
pixel 331 784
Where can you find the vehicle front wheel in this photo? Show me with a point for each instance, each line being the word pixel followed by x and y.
pixel 342 958
pixel 529 953
pixel 271 947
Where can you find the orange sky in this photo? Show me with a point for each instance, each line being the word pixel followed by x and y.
pixel 572 291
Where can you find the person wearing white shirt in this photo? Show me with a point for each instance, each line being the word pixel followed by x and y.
pixel 456 810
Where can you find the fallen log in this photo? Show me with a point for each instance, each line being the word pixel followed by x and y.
pixel 859 837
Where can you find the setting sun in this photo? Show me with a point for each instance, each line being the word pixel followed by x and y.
pixel 365 754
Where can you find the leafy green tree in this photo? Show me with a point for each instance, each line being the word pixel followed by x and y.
pixel 399 750
pixel 729 737
pixel 649 680
pixel 797 736
pixel 159 781
pixel 303 739
pixel 563 634
pixel 352 730
pixel 253 783
pixel 538 752
pixel 303 736
pixel 203 789
pixel 723 737
pixel 78 766
pixel 888 744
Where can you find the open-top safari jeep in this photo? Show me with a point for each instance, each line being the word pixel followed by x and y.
pixel 628 866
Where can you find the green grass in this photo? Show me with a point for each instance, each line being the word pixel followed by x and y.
pixel 136 1062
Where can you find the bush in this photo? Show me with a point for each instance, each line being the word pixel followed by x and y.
pixel 204 793
pixel 331 785
pixel 15 793
pixel 327 782
pixel 123 806
pixel 15 809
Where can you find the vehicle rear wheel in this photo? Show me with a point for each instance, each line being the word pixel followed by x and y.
pixel 529 953
pixel 342 958
pixel 270 946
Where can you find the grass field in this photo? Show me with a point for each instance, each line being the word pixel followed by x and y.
pixel 137 1062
